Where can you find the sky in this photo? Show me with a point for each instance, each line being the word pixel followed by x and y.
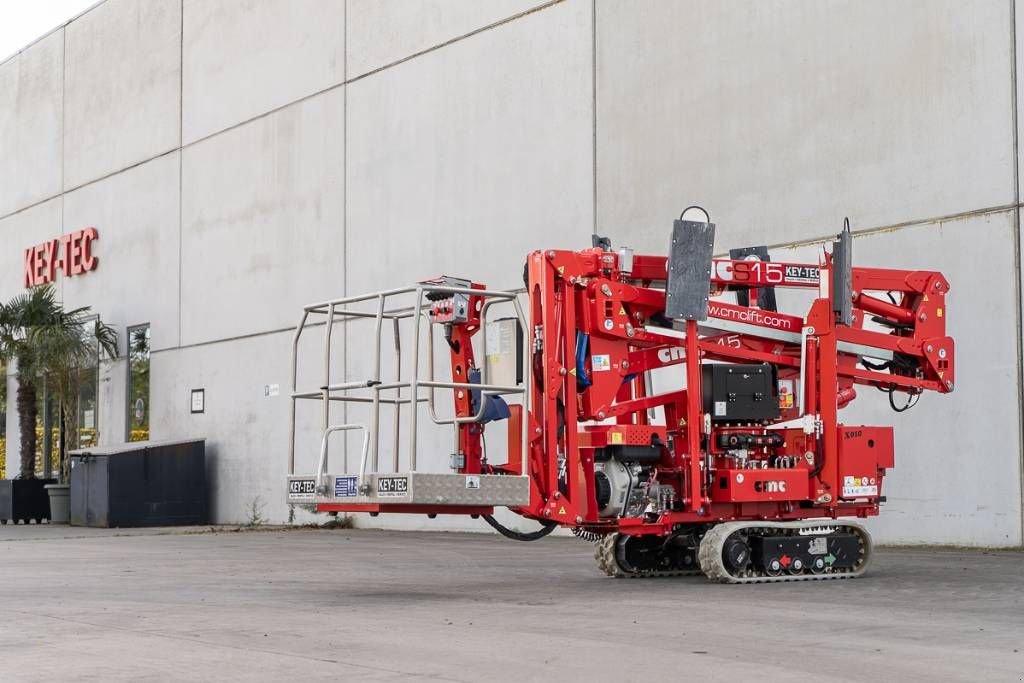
pixel 23 21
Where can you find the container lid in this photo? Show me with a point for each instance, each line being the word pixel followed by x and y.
pixel 131 447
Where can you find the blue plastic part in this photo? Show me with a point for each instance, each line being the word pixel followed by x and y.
pixel 496 408
pixel 582 351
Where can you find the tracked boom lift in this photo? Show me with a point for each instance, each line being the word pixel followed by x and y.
pixel 658 406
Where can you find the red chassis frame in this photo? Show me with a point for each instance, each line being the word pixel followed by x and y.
pixel 832 470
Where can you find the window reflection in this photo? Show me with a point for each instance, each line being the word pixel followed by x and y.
pixel 138 383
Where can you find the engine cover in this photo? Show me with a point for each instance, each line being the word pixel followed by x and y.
pixel 618 489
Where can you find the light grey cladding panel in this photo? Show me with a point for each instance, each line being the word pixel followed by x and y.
pixel 30 124
pixel 242 58
pixel 464 160
pixel 957 474
pixel 246 430
pixel 136 280
pixel 20 231
pixel 122 88
pixel 262 214
pixel 781 118
pixel 384 31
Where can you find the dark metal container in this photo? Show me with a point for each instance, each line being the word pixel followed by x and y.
pixel 149 483
pixel 24 500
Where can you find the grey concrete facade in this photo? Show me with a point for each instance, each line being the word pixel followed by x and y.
pixel 241 159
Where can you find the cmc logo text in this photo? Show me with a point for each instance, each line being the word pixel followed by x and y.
pixel 671 353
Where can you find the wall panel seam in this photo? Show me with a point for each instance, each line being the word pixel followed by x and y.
pixel 1019 294
pixel 181 161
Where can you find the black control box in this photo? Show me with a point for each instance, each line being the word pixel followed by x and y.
pixel 739 392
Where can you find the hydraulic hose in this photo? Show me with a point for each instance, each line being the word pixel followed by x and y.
pixel 546 528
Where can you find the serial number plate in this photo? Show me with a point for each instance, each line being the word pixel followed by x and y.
pixel 392 487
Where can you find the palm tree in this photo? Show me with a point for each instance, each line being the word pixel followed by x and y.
pixel 49 342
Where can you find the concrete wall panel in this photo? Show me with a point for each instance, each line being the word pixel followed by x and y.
pixel 122 90
pixel 136 281
pixel 781 118
pixel 458 165
pixel 243 58
pixel 246 430
pixel 263 232
pixel 958 467
pixel 30 124
pixel 380 32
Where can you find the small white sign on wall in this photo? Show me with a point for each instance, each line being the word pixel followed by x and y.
pixel 198 404
pixel 271 389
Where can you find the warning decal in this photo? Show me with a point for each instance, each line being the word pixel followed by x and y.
pixel 859 487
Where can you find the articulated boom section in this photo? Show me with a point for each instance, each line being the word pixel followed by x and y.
pixel 683 432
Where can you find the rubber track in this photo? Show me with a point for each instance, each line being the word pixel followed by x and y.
pixel 710 554
pixel 604 553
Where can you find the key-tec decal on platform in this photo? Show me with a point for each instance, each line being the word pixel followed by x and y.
pixel 392 487
pixel 345 487
pixel 299 489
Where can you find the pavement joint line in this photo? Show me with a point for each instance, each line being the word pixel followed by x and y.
pixel 456 536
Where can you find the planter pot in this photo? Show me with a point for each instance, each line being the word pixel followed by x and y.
pixel 24 500
pixel 60 503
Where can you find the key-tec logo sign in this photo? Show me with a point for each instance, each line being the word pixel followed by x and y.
pixel 71 253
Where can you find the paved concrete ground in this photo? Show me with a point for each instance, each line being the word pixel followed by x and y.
pixel 346 605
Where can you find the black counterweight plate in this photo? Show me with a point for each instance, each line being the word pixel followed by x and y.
pixel 689 270
pixel 840 550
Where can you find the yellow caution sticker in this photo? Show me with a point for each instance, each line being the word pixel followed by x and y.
pixel 938 312
pixel 925 298
pixel 573 372
pixel 616 437
pixel 561 510
pixel 622 310
pixel 561 270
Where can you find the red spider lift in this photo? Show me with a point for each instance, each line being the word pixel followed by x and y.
pixel 677 430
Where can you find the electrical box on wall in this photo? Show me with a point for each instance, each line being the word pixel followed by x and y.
pixel 504 352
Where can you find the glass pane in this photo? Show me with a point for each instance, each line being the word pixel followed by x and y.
pixel 138 383
pixel 47 433
pixel 87 434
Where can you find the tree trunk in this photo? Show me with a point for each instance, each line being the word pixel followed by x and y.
pixel 28 409
pixel 69 438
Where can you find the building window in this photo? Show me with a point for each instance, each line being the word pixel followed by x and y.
pixel 138 383
pixel 47 431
